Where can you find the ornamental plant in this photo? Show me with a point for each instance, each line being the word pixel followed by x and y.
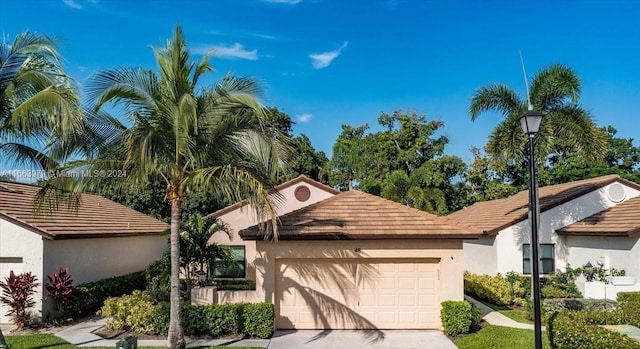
pixel 17 293
pixel 61 290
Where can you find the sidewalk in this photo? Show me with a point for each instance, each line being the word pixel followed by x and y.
pixel 80 335
pixel 495 318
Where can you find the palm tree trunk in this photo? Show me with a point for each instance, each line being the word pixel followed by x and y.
pixel 3 342
pixel 175 338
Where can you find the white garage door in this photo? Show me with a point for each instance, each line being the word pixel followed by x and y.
pixel 357 294
pixel 7 264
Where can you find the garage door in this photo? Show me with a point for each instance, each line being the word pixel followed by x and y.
pixel 7 264
pixel 357 294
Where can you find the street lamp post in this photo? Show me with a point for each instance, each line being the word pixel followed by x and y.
pixel 530 123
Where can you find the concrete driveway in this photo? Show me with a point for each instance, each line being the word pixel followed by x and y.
pixel 388 339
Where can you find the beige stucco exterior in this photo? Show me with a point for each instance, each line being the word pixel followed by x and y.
pixel 87 259
pixel 245 216
pixel 444 257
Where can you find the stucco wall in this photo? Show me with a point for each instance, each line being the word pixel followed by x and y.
pixel 508 243
pixel 94 259
pixel 448 252
pixel 16 241
pixel 245 217
pixel 613 252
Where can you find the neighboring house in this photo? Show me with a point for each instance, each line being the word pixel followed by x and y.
pixel 352 260
pixel 595 220
pixel 100 240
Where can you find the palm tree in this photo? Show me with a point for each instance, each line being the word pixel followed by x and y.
pixel 39 108
pixel 555 91
pixel 213 139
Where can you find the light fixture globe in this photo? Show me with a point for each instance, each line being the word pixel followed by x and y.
pixel 530 122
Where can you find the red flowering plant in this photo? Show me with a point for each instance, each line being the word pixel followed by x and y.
pixel 17 293
pixel 61 289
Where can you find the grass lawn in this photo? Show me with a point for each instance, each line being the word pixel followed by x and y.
pixel 499 337
pixel 519 315
pixel 50 341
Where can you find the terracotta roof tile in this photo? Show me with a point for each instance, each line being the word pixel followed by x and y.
pixel 495 215
pixel 96 215
pixel 357 215
pixel 620 220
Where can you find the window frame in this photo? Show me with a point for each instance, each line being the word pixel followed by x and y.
pixel 526 259
pixel 241 262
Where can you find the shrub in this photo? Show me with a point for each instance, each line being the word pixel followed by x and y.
pixel 17 293
pixel 569 330
pixel 89 297
pixel 132 312
pixel 60 288
pixel 236 285
pixel 629 301
pixel 259 320
pixel 459 317
pixel 494 289
pixel 552 291
pixel 256 320
pixel 550 306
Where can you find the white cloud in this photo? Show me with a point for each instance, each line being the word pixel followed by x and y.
pixel 304 117
pixel 290 2
pixel 322 60
pixel 262 36
pixel 72 4
pixel 236 51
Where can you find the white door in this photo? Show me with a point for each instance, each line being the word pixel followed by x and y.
pixel 358 294
pixel 7 264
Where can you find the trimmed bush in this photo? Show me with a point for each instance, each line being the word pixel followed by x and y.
pixel 459 317
pixel 259 320
pixel 629 301
pixel 551 306
pixel 494 289
pixel 89 297
pixel 570 330
pixel 134 312
pixel 250 319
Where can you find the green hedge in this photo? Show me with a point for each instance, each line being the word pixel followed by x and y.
pixel 89 297
pixel 551 306
pixel 459 317
pixel 580 329
pixel 495 289
pixel 250 319
pixel 629 301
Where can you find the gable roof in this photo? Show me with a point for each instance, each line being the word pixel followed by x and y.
pixel 620 220
pixel 96 216
pixel 287 184
pixel 495 215
pixel 353 215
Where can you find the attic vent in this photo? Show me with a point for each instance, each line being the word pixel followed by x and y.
pixel 616 192
pixel 302 193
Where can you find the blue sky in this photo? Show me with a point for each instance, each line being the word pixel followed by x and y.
pixel 328 63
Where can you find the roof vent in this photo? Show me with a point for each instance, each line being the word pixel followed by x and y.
pixel 616 192
pixel 302 193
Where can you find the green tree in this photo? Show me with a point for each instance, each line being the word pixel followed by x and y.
pixel 555 91
pixel 211 139
pixel 39 108
pixel 347 161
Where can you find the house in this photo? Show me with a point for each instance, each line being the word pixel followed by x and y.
pixel 100 240
pixel 594 220
pixel 352 260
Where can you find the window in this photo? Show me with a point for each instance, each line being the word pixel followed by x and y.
pixel 238 269
pixel 546 254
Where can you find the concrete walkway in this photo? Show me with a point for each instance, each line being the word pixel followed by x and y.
pixel 495 318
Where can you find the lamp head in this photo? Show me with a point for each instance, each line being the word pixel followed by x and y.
pixel 530 122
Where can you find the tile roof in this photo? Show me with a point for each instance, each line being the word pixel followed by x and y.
pixel 620 220
pixel 96 216
pixel 300 178
pixel 495 215
pixel 357 215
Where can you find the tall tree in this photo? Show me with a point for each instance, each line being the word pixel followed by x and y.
pixel 39 108
pixel 555 91
pixel 211 139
